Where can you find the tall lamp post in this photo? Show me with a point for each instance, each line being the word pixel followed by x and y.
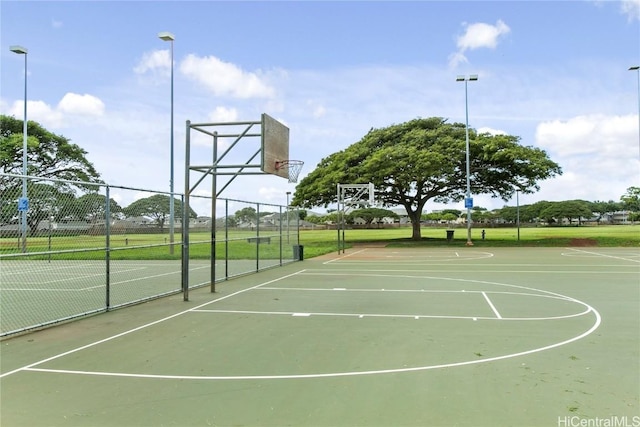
pixel 23 203
pixel 637 70
pixel 468 201
pixel 168 37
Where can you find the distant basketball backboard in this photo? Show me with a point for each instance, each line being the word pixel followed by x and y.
pixel 275 146
pixel 356 194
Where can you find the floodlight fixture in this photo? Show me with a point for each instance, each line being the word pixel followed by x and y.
pixel 470 78
pixel 19 50
pixel 166 36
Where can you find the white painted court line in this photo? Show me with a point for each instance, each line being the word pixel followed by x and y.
pixel 43 289
pixel 467 271
pixel 358 315
pixel 334 374
pixel 93 344
pixel 438 291
pixel 399 316
pixel 199 308
pixel 344 256
pixel 604 255
pixel 493 307
pixel 485 294
pixel 409 259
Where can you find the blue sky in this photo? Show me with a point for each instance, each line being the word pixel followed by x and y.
pixel 554 73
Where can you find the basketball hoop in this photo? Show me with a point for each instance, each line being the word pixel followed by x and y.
pixel 293 167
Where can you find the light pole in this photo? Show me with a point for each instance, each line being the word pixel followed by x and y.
pixel 468 201
pixel 23 203
pixel 637 70
pixel 168 37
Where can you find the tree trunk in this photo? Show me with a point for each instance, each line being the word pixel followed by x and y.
pixel 415 225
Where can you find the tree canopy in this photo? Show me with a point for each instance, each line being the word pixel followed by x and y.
pixel 246 215
pixel 48 155
pixel 425 159
pixel 569 209
pixel 370 215
pixel 631 199
pixel 157 208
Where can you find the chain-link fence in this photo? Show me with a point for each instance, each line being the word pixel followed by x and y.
pixel 75 248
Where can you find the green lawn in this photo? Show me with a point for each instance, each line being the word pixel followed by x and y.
pixel 319 242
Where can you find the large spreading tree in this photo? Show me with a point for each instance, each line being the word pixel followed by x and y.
pixel 48 156
pixel 425 159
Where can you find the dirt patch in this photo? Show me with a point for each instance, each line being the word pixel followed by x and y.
pixel 369 244
pixel 583 242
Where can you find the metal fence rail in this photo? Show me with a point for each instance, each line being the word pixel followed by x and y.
pixel 87 248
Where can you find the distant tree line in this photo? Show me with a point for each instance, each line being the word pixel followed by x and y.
pixel 55 204
pixel 571 211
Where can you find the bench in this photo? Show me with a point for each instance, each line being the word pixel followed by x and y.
pixel 259 240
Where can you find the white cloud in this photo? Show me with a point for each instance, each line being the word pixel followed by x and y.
pixel 480 35
pixel 56 24
pixel 270 194
pixel 631 8
pixel 224 78
pixel 456 59
pixel 598 153
pixel 605 135
pixel 319 111
pixel 224 114
pixel 70 106
pixel 491 131
pixel 72 103
pixel 38 111
pixel 476 36
pixel 158 60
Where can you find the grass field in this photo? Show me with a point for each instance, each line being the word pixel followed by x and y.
pixel 147 246
pixel 319 242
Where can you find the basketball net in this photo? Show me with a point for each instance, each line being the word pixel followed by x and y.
pixel 292 166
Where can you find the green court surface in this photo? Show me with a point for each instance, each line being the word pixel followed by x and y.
pixel 371 337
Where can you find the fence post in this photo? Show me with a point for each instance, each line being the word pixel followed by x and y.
pixel 185 216
pixel 107 232
pixel 226 238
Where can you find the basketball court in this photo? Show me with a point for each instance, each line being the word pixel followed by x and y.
pixel 372 336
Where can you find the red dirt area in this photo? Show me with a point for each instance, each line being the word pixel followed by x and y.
pixel 583 242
